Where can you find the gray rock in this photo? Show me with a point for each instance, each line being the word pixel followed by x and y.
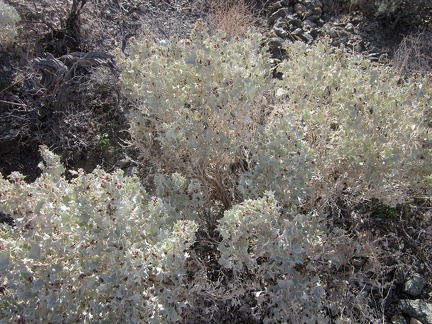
pixel 332 33
pixel 309 23
pixel 297 31
pixel 417 308
pixel 276 6
pixel 280 32
pixel 414 285
pixel 349 27
pixel 415 321
pixel 307 14
pixel 281 23
pixel 308 37
pixel 317 11
pixel 314 32
pixel 295 22
pixel 398 319
pixel 279 4
pixel 281 93
pixel 314 18
pixel 275 42
pixel 281 13
pixel 299 8
pixel 359 48
pixel 274 61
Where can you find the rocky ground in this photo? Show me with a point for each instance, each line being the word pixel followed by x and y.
pixel 80 112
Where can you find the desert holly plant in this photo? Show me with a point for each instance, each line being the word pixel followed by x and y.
pixel 101 248
pixel 369 129
pixel 93 249
pixel 196 102
pixel 98 248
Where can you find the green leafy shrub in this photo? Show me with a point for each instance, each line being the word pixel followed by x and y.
pixel 196 102
pixel 88 250
pixel 367 127
pixel 281 162
pixel 269 254
pixel 196 113
pixel 8 18
pixel 98 248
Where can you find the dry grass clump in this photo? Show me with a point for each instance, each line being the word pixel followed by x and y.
pixel 233 17
pixel 413 54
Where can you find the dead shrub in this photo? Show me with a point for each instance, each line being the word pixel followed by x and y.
pixel 233 17
pixel 413 54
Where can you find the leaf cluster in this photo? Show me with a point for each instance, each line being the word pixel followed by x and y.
pixel 368 127
pixel 86 250
pixel 210 116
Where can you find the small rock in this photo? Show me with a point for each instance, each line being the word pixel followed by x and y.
pixel 299 9
pixel 415 321
pixel 398 319
pixel 414 285
pixel 314 18
pixel 314 32
pixel 281 93
pixel 349 27
pixel 297 31
pixel 281 23
pixel 275 42
pixel 281 13
pixel 309 23
pixel 280 32
pixel 317 11
pixel 276 6
pixel 143 8
pixel 332 33
pixel 308 37
pixel 418 309
pixel 307 14
pixel 295 22
pixel 358 48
